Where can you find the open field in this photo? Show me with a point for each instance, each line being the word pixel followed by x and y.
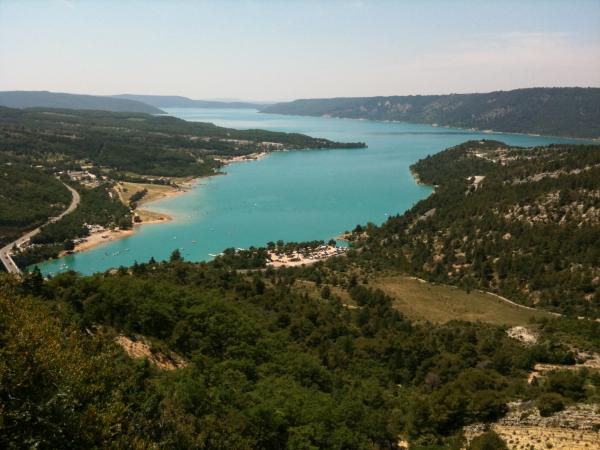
pixel 441 303
pixel 437 303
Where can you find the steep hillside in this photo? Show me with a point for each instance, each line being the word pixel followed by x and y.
pixel 45 99
pixel 551 111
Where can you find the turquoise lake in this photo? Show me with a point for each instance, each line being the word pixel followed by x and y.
pixel 293 196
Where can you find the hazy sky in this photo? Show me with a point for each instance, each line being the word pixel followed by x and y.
pixel 278 50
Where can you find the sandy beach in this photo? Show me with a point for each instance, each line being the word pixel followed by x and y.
pixel 103 237
pixel 242 158
pixel 304 257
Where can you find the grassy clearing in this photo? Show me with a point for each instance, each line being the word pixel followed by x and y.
pixel 437 303
pixel 155 191
pixel 441 303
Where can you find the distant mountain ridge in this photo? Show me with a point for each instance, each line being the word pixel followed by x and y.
pixel 573 112
pixel 46 99
pixel 177 101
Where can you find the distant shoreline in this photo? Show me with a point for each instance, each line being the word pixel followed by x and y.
pixel 436 125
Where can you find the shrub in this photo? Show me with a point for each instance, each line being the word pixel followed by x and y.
pixel 488 441
pixel 550 403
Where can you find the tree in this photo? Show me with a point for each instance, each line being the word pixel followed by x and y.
pixel 550 403
pixel 33 282
pixel 176 256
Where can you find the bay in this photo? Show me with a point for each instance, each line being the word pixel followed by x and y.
pixel 292 196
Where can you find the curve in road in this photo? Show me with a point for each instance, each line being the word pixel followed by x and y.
pixel 5 252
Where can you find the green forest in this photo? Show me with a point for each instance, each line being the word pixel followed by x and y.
pixel 267 366
pixel 28 196
pixel 133 142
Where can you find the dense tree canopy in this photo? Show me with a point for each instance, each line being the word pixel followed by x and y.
pixel 268 366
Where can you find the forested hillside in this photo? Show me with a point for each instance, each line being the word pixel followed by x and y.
pixel 521 222
pixel 45 99
pixel 267 366
pixel 551 111
pixel 28 196
pixel 138 143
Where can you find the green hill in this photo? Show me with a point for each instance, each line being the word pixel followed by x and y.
pixel 176 101
pixel 45 99
pixel 134 142
pixel 522 222
pixel 571 112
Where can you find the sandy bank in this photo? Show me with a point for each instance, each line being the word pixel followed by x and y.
pixel 304 257
pixel 250 157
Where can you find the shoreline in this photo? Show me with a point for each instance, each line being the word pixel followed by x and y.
pixel 243 158
pixel 593 140
pixel 149 216
pixel 99 238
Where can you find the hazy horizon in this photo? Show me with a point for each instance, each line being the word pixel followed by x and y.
pixel 268 52
pixel 245 100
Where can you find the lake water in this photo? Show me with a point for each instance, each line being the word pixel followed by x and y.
pixel 293 196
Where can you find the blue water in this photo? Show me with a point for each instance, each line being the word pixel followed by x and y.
pixel 294 196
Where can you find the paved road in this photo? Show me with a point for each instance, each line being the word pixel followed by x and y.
pixel 5 257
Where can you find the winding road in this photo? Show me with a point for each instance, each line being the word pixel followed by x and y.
pixel 5 252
